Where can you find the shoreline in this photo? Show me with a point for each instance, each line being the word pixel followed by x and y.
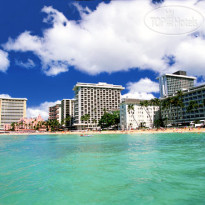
pixel 153 131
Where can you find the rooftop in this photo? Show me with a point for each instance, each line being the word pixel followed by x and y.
pixel 194 88
pixel 99 85
pixel 186 91
pixel 68 99
pixel 179 74
pixel 131 101
pixel 7 98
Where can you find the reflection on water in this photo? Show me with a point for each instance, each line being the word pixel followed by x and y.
pixel 103 169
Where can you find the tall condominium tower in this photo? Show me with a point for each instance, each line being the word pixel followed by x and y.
pixel 67 110
pixel 11 110
pixel 95 99
pixel 169 84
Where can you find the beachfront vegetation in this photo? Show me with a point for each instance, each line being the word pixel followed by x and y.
pixel 110 120
pixel 145 105
pixel 65 122
pixel 85 118
pixel 131 110
pixel 13 126
pixel 52 125
pixel 193 105
pixel 171 104
pixel 176 108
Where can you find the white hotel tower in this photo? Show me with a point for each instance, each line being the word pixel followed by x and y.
pixel 169 84
pixel 95 99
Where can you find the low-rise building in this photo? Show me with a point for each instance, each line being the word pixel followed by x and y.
pixel 26 123
pixel 133 115
pixel 11 110
pixel 174 115
pixel 181 114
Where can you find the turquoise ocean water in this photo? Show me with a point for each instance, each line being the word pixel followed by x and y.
pixel 103 169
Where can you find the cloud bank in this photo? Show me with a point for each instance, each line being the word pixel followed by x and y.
pixel 113 38
pixel 5 96
pixel 29 64
pixel 143 89
pixel 4 61
pixel 42 109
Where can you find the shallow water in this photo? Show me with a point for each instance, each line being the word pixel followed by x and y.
pixel 103 169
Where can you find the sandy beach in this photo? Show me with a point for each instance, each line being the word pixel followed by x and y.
pixel 151 131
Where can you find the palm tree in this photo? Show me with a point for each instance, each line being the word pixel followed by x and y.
pixel 13 126
pixel 85 118
pixel 53 124
pixel 40 124
pixel 167 105
pixel 46 123
pixel 94 121
pixel 155 102
pixel 192 106
pixel 180 101
pixel 145 104
pixel 21 124
pixel 203 102
pixel 180 93
pixel 82 118
pixel 132 109
pixel 176 104
pixel 66 121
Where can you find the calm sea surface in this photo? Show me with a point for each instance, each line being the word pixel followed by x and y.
pixel 103 169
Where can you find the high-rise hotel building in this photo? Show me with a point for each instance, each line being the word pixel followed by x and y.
pixel 61 111
pixel 175 115
pixel 55 112
pixel 170 83
pixel 95 99
pixel 67 110
pixel 11 110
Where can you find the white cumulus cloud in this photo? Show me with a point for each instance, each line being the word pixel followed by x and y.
pixel 143 89
pixel 28 64
pixel 5 96
pixel 113 38
pixel 4 61
pixel 42 109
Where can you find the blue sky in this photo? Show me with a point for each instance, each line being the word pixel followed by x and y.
pixel 50 50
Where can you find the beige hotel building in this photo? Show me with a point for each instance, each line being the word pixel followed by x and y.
pixel 11 110
pixel 95 99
